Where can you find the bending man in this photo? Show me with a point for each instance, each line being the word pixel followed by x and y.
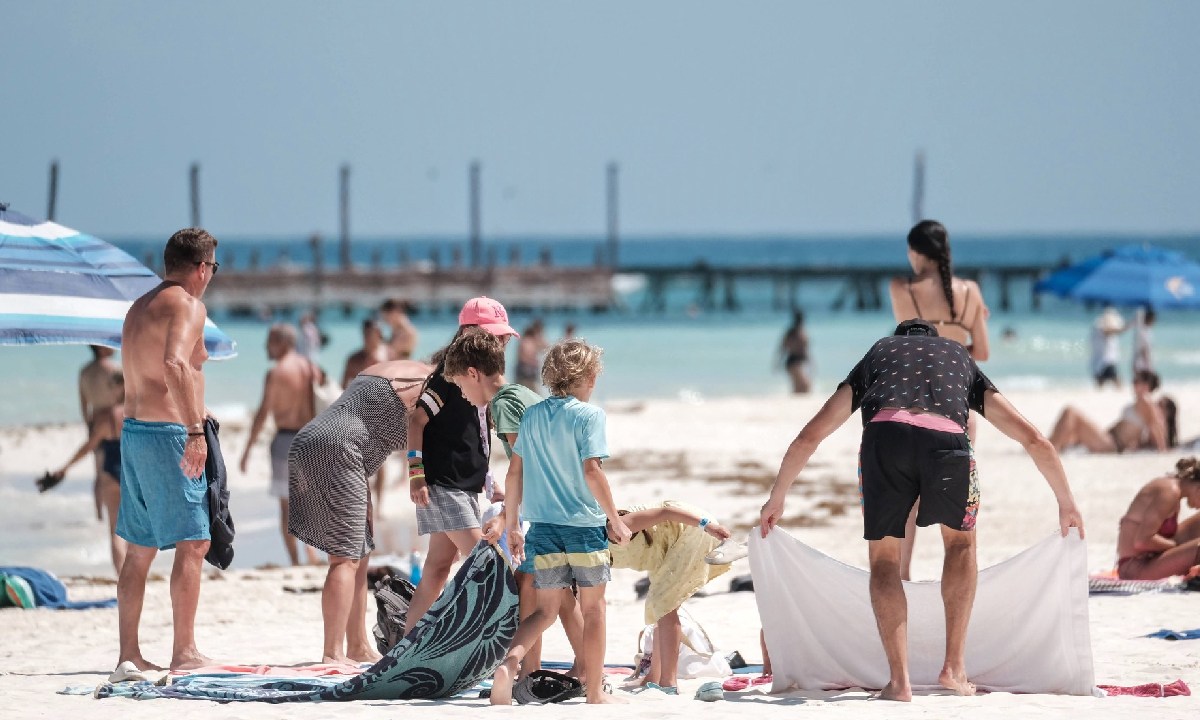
pixel 915 389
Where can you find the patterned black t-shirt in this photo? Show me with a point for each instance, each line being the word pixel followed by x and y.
pixel 934 374
pixel 453 449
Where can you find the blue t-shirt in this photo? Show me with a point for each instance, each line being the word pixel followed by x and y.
pixel 556 436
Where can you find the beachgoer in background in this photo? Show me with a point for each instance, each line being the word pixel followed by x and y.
pixel 1151 542
pixel 1106 347
pixel 330 463
pixel 373 352
pixel 164 494
pixel 448 463
pixel 794 349
pixel 955 306
pixel 288 398
pixel 403 342
pixel 556 482
pixel 569 331
pixel 104 440
pixel 311 338
pixel 529 355
pixel 914 446
pixel 1143 339
pixel 475 363
pixel 97 394
pixel 1147 423
pixel 670 541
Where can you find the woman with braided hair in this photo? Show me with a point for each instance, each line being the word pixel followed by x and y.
pixel 1152 543
pixel 954 305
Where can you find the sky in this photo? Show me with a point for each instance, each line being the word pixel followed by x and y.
pixel 724 117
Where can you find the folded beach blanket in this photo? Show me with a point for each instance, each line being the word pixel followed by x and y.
pixel 1155 690
pixel 1176 634
pixel 460 641
pixel 1109 584
pixel 49 592
pixel 1029 626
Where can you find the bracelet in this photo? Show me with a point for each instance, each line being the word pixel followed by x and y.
pixel 417 477
pixel 704 522
pixel 195 434
pixel 415 455
pixel 417 467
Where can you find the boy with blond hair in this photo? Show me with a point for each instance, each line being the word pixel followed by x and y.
pixel 556 482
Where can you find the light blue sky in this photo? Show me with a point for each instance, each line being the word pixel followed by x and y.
pixel 735 117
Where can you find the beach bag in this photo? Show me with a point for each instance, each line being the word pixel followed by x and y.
pixel 698 657
pixel 392 597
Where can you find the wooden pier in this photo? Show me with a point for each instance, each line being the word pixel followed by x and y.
pixel 548 288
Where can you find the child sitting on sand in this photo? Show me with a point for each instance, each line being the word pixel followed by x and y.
pixel 556 481
pixel 475 363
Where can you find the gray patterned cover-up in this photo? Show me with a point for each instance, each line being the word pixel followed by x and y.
pixel 331 461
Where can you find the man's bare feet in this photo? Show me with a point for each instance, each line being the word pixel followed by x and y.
pixel 142 664
pixel 337 659
pixel 190 661
pixel 892 691
pixel 957 682
pixel 502 682
pixel 603 698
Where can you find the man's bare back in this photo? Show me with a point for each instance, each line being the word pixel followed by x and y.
pixel 164 333
pixel 290 397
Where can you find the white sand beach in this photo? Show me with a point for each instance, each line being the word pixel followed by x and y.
pixel 721 455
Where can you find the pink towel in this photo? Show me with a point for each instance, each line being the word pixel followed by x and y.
pixel 311 670
pixel 1178 687
pixel 742 682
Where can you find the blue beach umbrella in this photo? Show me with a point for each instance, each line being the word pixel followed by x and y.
pixel 62 287
pixel 1131 275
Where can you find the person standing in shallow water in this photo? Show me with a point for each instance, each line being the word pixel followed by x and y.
pixel 164 494
pixel 794 348
pixel 954 305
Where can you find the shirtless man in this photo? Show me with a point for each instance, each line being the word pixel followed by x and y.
pixel 288 398
pixel 373 352
pixel 403 342
pixel 98 393
pixel 164 502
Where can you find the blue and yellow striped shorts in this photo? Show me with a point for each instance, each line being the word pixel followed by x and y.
pixel 562 553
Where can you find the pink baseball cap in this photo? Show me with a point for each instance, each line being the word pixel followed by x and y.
pixel 488 314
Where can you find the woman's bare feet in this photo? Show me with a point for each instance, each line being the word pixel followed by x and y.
pixel 365 654
pixel 957 682
pixel 892 691
pixel 142 664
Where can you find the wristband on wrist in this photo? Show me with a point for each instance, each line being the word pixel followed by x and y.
pixel 704 522
pixel 415 455
pixel 195 434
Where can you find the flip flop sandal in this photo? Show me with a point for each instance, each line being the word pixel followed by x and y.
pixel 727 552
pixel 545 686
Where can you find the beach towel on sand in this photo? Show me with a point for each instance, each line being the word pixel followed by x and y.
pixel 1028 633
pixel 461 640
pixel 49 592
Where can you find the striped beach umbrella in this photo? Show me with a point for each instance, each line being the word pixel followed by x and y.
pixel 59 286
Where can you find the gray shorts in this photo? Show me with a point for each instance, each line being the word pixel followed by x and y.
pixel 449 509
pixel 279 462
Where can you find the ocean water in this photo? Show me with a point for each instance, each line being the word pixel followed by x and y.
pixel 684 352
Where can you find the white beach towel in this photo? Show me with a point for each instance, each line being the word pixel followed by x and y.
pixel 1028 632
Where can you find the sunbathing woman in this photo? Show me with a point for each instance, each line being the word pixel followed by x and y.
pixel 1148 423
pixel 670 542
pixel 1151 542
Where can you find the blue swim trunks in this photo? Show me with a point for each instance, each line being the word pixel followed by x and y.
pixel 159 506
pixel 562 553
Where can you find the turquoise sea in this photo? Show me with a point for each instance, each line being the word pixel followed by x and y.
pixel 683 352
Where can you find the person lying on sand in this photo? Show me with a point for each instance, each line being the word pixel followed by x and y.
pixel 1148 423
